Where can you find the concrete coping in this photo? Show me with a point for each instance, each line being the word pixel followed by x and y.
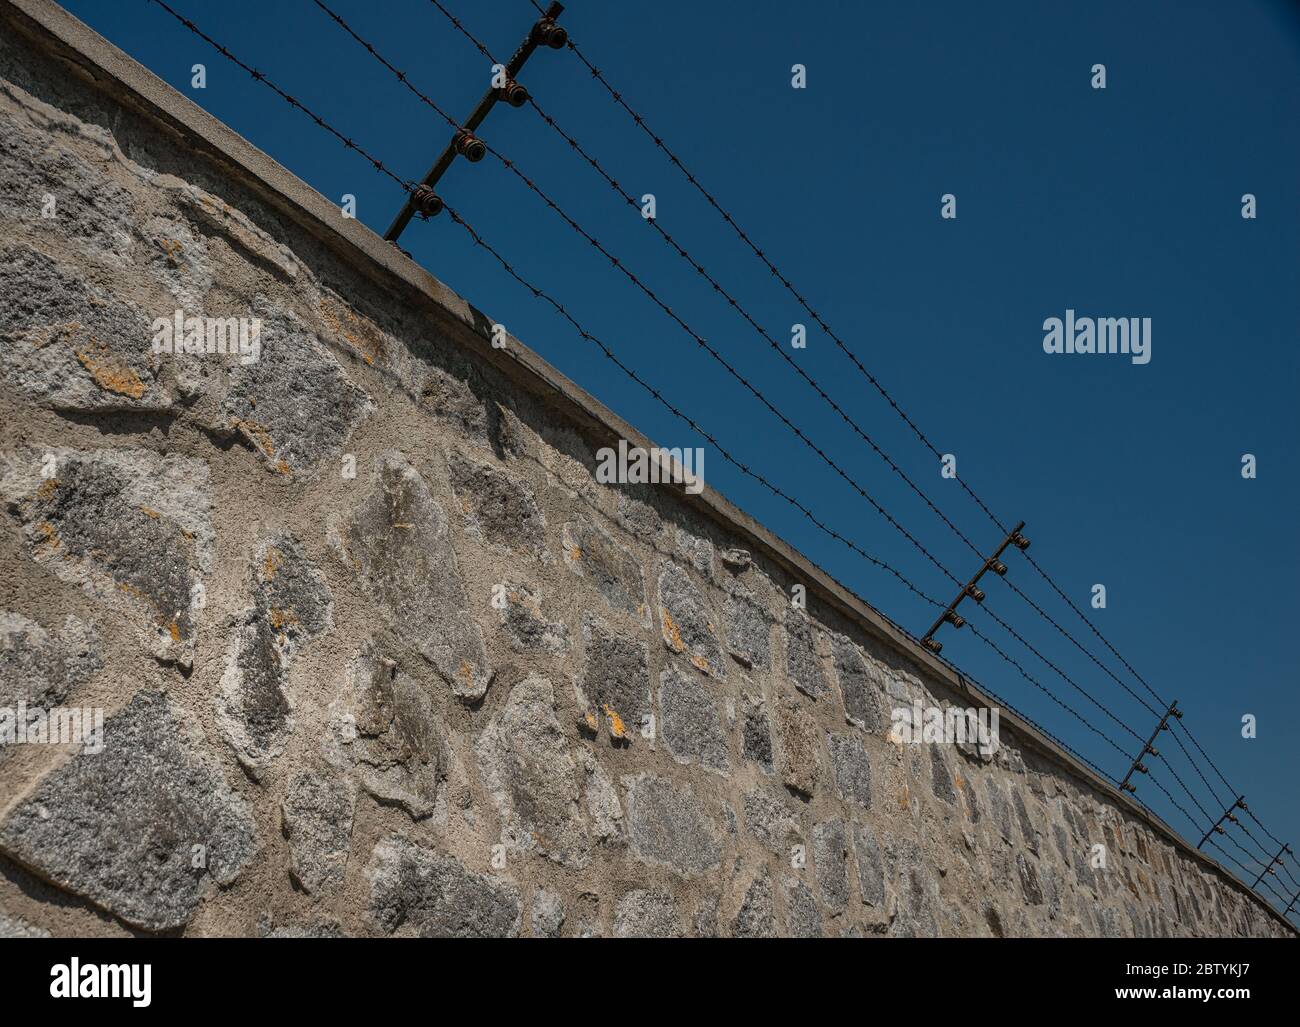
pixel 134 85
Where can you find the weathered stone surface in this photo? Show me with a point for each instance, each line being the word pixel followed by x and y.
pixel 692 728
pixel 972 800
pixel 459 396
pixel 525 765
pixel 705 922
pixel 13 927
pixel 291 606
pixel 799 743
pixel 314 929
pixel 385 726
pixel 316 816
pixel 294 405
pixel 803 918
pixel 42 668
pixel 687 624
pixel 735 559
pixel 1027 829
pixel 756 917
pixel 917 896
pixel 40 159
pixel 614 572
pixel 616 674
pixel 749 631
pixel 667 824
pixel 1029 880
pixel 646 913
pixel 548 914
pixel 871 865
pixel 756 732
pixel 121 522
pixel 831 854
pixel 940 776
pixel 802 663
pixel 214 216
pixel 498 507
pixel 526 627
pixel 178 258
pixel 852 769
pixel 601 798
pixel 120 827
pixel 698 551
pixel 397 540
pixel 253 708
pixel 864 701
pixel 417 892
pixel 772 821
pixel 1001 810
pixel 70 346
pixel 290 592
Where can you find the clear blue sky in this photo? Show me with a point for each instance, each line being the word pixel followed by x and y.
pixel 1122 202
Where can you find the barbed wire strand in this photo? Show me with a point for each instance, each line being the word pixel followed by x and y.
pixel 676 161
pixel 409 187
pixel 792 363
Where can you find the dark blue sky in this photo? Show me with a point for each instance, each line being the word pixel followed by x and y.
pixel 1122 202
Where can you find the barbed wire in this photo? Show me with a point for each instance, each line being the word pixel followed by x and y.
pixel 676 161
pixel 409 187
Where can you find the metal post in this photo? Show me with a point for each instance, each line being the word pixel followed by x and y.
pixel 1138 765
pixel 991 564
pixel 1269 869
pixel 464 143
pixel 1227 815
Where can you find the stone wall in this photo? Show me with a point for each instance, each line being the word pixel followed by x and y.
pixel 377 654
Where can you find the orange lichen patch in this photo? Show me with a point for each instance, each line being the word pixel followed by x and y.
pixel 467 672
pixel 616 727
pixel 672 635
pixel 271 563
pixel 261 438
pixel 593 724
pixel 172 248
pixel 149 511
pixel 174 630
pixel 357 332
pixel 47 488
pixel 905 799
pixel 109 372
pixel 574 554
pixel 280 618
pixel 700 663
pixel 960 782
pixel 48 535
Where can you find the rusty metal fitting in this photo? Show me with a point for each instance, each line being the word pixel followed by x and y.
pixel 427 202
pixel 975 593
pixel 547 33
pixel 1020 542
pixel 998 567
pixel 470 146
pixel 932 644
pixel 954 618
pixel 513 93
